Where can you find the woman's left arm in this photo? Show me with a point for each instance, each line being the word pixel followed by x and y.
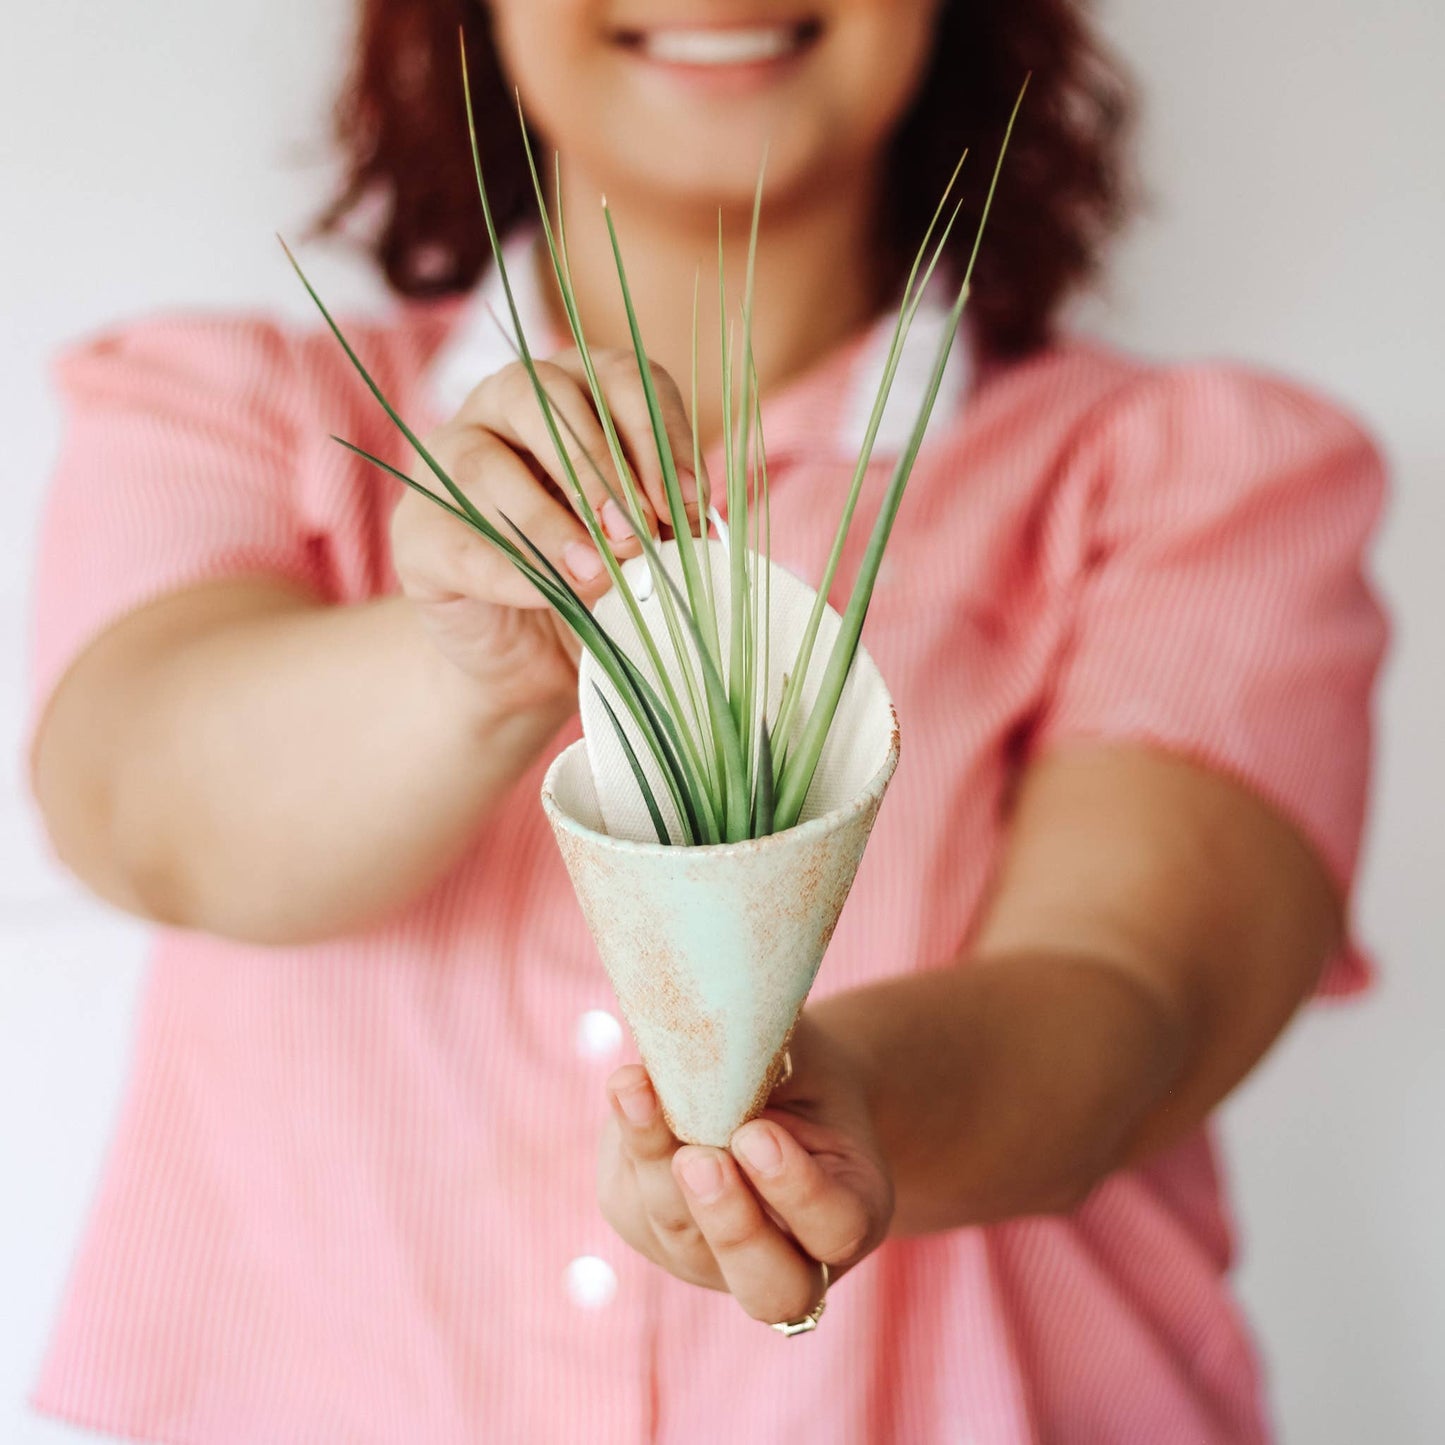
pixel 1152 928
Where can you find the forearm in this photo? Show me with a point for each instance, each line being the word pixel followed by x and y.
pixel 1008 1086
pixel 293 776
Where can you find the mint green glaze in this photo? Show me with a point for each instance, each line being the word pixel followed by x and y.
pixel 711 951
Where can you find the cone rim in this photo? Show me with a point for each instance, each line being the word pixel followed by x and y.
pixel 867 796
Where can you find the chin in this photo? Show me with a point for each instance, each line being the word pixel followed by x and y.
pixel 718 167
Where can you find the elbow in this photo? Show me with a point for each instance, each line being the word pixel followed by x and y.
pixel 154 885
pixel 118 858
pixel 191 889
pixel 209 895
pixel 133 873
pixel 1056 1186
pixel 75 800
pixel 1072 1184
pixel 1053 1183
pixel 77 769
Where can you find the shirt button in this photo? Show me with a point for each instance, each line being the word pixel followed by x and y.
pixel 598 1034
pixel 591 1282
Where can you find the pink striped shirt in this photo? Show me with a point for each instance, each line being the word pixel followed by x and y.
pixel 352 1193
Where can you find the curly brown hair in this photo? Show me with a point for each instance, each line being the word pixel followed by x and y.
pixel 401 129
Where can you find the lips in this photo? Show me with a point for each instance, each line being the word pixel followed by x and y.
pixel 720 47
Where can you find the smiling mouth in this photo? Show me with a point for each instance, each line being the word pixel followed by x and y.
pixel 720 47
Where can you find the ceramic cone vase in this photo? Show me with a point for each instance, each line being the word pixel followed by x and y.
pixel 711 950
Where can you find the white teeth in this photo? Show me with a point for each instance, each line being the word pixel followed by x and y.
pixel 719 47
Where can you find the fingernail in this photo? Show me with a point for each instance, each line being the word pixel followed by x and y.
pixel 687 484
pixel 582 561
pixel 760 1149
pixel 703 1177
pixel 614 523
pixel 638 1105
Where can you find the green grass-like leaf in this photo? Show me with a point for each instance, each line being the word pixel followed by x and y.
pixel 643 785
pixel 798 775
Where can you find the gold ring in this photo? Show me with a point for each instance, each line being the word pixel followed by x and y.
pixel 810 1320
pixel 787 1072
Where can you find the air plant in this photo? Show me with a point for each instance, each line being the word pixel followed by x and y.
pixel 729 771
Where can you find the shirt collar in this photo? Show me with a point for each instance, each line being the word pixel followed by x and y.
pixel 475 347
pixel 825 410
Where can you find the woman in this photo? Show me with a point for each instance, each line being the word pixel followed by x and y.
pixel 386 1170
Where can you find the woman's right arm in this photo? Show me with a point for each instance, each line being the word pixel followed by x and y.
pixel 244 759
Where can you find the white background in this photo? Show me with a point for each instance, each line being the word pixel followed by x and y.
pixel 147 153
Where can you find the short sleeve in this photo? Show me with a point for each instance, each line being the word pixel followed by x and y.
pixel 177 465
pixel 1223 609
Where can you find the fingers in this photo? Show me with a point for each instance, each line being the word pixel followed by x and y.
pixel 438 554
pixel 514 497
pixel 506 405
pixel 621 385
pixel 646 1136
pixel 755 1225
pixel 830 1219
pixel 649 1145
pixel 767 1274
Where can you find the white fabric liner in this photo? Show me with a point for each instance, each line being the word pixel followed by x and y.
pixel 858 742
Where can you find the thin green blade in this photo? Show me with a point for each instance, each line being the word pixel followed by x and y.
pixel 644 786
